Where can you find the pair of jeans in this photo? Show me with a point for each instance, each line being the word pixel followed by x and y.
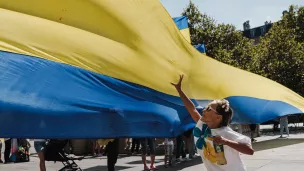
pixel 284 124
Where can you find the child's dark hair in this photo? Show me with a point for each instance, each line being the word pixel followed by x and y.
pixel 223 108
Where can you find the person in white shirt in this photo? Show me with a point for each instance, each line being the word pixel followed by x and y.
pixel 218 145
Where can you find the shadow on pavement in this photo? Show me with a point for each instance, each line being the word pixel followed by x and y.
pixel 275 143
pixel 104 168
pixel 177 166
pixel 182 165
pixel 148 161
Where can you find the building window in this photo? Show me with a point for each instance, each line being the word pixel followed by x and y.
pixel 263 30
pixel 252 33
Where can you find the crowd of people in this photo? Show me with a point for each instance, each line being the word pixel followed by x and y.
pixel 180 146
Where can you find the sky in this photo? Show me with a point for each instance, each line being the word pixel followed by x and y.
pixel 235 12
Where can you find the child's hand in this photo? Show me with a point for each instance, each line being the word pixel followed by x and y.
pixel 220 140
pixel 178 85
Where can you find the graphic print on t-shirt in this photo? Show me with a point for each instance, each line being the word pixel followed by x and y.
pixel 211 152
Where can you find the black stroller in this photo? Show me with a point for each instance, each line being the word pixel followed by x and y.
pixel 54 152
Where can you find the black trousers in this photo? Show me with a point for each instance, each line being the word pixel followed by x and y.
pixel 7 151
pixel 180 147
pixel 113 150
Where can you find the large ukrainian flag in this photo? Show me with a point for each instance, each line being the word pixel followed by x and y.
pixel 102 69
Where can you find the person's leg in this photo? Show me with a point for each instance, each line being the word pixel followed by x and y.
pixel 192 147
pixel 116 151
pixel 252 131
pixel 41 161
pixel 258 130
pixel 286 127
pixel 166 147
pixel 39 147
pixel 187 144
pixel 113 150
pixel 137 145
pixel 151 142
pixel 183 152
pixel 171 148
pixel 98 147
pixel 0 151
pixel 133 145
pixel 127 142
pixel 110 156
pixel 7 151
pixel 93 147
pixel 281 128
pixel 166 160
pixel 144 153
pixel 178 146
pixel 105 150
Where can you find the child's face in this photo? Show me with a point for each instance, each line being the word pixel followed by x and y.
pixel 211 117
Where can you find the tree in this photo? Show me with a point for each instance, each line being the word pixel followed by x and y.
pixel 294 20
pixel 281 51
pixel 222 41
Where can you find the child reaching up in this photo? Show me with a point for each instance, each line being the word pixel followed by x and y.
pixel 169 147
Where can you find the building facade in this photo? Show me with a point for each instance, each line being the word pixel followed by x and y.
pixel 257 32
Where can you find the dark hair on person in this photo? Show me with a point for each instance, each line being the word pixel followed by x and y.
pixel 224 109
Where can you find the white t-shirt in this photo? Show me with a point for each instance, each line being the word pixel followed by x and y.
pixel 204 144
pixel 168 141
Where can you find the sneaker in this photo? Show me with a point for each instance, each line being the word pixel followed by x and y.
pixel 1 161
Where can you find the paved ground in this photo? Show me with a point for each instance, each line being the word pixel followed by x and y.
pixel 271 154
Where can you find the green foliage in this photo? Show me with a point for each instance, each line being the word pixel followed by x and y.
pixel 281 51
